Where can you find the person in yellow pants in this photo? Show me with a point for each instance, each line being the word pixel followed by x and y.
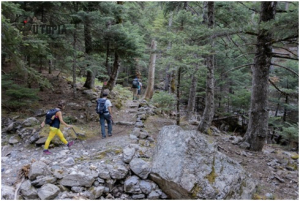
pixel 54 128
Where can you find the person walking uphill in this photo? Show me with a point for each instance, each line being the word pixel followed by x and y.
pixel 135 88
pixel 105 113
pixel 54 118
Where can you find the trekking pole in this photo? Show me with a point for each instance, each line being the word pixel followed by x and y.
pixel 77 137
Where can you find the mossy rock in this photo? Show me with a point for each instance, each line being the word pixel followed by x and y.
pixel 295 156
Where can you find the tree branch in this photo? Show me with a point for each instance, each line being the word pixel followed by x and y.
pixel 294 37
pixel 284 93
pixel 286 68
pixel 286 49
pixel 238 67
pixel 283 57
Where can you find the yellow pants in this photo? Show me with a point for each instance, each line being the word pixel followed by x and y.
pixel 52 133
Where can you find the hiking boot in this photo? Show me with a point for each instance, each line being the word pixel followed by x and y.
pixel 47 152
pixel 70 144
pixel 109 135
pixel 103 137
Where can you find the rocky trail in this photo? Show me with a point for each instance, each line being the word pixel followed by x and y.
pixel 120 167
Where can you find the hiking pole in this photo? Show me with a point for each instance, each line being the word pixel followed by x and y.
pixel 77 134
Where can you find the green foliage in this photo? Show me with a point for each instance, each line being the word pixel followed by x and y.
pixel 240 100
pixel 17 96
pixel 291 132
pixel 164 100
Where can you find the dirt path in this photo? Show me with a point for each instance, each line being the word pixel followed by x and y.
pixel 120 132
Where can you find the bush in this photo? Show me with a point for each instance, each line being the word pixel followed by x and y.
pixel 17 96
pixel 164 101
pixel 290 132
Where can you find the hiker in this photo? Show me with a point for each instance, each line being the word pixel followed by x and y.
pixel 54 128
pixel 105 113
pixel 135 86
pixel 139 88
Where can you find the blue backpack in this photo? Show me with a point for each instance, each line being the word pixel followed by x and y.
pixel 101 108
pixel 50 115
pixel 135 83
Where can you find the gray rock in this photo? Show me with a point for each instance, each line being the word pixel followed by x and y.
pixel 69 162
pixel 91 95
pixel 132 185
pixel 48 192
pixel 103 173
pixel 41 141
pixel 140 167
pixel 186 166
pixel 134 138
pixel 41 180
pixel 244 145
pixel 128 154
pixel 58 173
pixel 31 121
pixel 77 180
pixel 139 125
pixel 136 131
pixel 138 197
pixel 144 143
pixel 34 137
pixel 37 168
pixel 150 139
pixel 144 135
pixel 117 171
pixel 28 191
pixel 146 186
pixel 7 192
pixel 13 140
pixel 77 189
pixel 96 192
pixel 153 195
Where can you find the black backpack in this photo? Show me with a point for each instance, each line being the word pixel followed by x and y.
pixel 50 115
pixel 135 83
pixel 101 109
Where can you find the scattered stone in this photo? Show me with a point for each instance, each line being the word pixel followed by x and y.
pixel 131 185
pixel 28 191
pixel 77 180
pixel 48 192
pixel 140 167
pixel 128 154
pixel 117 171
pixel 37 168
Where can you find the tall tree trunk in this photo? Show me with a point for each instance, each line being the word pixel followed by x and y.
pixel 209 110
pixel 90 77
pixel 168 74
pixel 50 66
pixel 192 94
pixel 151 74
pixel 74 61
pixel 258 118
pixel 107 59
pixel 114 74
pixel 178 97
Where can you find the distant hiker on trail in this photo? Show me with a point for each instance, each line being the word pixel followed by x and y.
pixel 54 118
pixel 105 113
pixel 139 88
pixel 135 86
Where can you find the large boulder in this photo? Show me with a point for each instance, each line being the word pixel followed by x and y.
pixel 188 166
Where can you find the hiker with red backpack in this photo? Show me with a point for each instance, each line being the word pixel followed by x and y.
pixel 105 114
pixel 54 118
